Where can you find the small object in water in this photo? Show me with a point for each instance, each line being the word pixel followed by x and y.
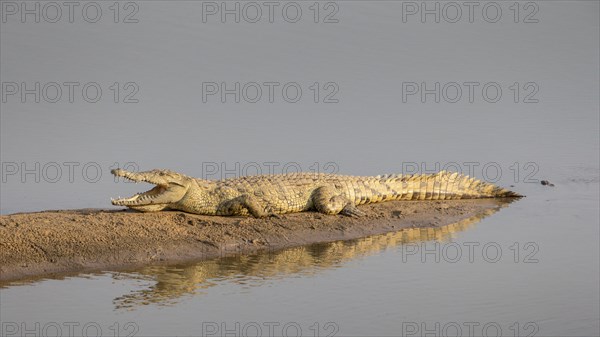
pixel 547 183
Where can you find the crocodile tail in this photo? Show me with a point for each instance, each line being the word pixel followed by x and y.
pixel 441 186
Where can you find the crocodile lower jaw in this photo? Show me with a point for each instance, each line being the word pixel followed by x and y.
pixel 144 198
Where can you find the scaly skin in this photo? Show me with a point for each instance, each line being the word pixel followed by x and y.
pixel 270 195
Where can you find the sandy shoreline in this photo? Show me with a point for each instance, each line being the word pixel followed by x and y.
pixel 54 242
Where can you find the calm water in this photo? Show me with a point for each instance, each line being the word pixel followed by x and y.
pixel 530 269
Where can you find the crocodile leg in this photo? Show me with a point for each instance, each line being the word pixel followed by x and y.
pixel 351 210
pixel 328 201
pixel 236 206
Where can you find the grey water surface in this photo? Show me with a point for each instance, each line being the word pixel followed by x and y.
pixel 530 269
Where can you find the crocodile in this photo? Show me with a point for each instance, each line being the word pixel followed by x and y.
pixel 273 195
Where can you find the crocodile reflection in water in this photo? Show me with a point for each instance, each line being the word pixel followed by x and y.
pixel 171 283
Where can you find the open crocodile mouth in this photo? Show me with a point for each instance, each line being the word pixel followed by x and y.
pixel 142 198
